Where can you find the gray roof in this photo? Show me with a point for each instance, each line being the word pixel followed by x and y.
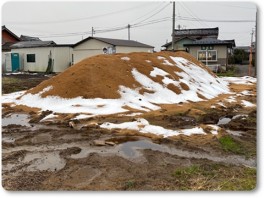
pixel 29 38
pixel 169 43
pixel 212 41
pixel 7 46
pixel 117 42
pixel 197 32
pixel 30 44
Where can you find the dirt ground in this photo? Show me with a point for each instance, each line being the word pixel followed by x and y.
pixel 66 155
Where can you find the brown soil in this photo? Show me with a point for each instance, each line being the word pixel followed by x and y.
pixel 100 76
pixel 25 147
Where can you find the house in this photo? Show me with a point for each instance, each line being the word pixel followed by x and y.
pixel 203 44
pixel 8 39
pixel 34 55
pixel 186 36
pixel 211 51
pixel 95 45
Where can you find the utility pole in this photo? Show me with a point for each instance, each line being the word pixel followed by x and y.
pixel 128 28
pixel 173 26
pixel 250 55
pixel 92 31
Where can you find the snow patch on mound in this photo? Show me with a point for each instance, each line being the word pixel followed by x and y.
pixel 197 80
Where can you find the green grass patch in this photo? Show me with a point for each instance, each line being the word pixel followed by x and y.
pixel 228 144
pixel 129 185
pixel 214 176
pixel 226 74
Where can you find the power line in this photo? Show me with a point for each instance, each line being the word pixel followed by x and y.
pixel 72 20
pixel 140 25
pixel 153 14
pixel 216 20
pixel 148 12
pixel 192 14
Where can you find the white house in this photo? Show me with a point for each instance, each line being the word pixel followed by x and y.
pixel 95 45
pixel 35 55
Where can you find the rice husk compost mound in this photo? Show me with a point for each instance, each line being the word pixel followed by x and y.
pixel 100 76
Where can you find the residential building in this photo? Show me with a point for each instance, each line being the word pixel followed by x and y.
pixel 8 39
pixel 95 45
pixel 212 52
pixel 187 36
pixel 204 45
pixel 35 55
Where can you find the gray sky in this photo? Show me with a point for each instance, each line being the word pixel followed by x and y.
pixel 151 23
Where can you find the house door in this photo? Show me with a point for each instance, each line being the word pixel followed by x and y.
pixel 15 61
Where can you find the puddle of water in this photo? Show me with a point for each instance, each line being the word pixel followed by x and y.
pixel 35 127
pixel 18 119
pixel 23 120
pixel 120 140
pixel 71 136
pixel 129 149
pixel 46 157
pixel 224 120
pixel 235 133
pixel 50 161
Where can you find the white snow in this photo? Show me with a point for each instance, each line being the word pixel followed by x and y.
pixel 231 99
pixel 143 126
pixel 239 115
pixel 198 80
pixel 165 61
pixel 247 103
pixel 82 116
pixel 161 58
pixel 125 58
pixel 247 80
pixel 247 93
pixel 50 116
pixel 158 72
pixel 215 128
pixel 148 61
pixel 221 104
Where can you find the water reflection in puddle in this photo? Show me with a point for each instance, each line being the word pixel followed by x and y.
pixel 129 149
pixel 50 161
pixel 18 119
pixel 23 120
pixel 132 151
pixel 224 120
pixel 235 133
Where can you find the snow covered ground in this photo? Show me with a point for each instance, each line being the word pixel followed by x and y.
pixel 198 80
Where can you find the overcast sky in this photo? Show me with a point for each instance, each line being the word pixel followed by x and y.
pixel 151 23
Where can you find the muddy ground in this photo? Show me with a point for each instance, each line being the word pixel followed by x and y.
pixel 66 155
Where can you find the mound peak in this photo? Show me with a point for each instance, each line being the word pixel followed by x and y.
pixel 139 81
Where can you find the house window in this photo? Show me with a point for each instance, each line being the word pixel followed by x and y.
pixel 31 58
pixel 211 55
pixel 208 47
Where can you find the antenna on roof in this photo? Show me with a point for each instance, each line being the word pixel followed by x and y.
pixel 179 27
